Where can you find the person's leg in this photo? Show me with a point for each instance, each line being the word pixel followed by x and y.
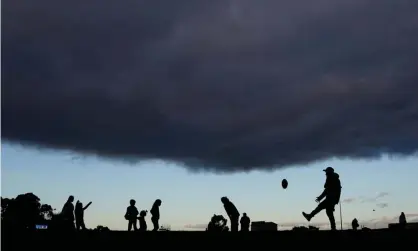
pixel 234 224
pixel 83 226
pixel 155 223
pixel 330 208
pixel 318 209
pixel 135 225
pixel 129 225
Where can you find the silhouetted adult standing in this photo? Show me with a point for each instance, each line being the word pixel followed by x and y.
pixel 131 215
pixel 245 223
pixel 79 215
pixel 67 213
pixel 331 193
pixel 232 212
pixel 155 214
pixel 354 224
pixel 402 220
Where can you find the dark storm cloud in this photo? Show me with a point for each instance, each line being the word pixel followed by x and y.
pixel 222 85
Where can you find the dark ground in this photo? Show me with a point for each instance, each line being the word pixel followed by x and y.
pixel 119 240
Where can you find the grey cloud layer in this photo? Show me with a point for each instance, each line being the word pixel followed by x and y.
pixel 221 85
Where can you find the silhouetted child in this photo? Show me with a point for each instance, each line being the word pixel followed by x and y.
pixel 331 193
pixel 232 212
pixel 155 214
pixel 131 215
pixel 217 224
pixel 211 225
pixel 245 223
pixel 142 221
pixel 354 224
pixel 79 215
pixel 402 220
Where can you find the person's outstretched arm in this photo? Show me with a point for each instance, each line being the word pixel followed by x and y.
pixel 320 197
pixel 326 188
pixel 88 204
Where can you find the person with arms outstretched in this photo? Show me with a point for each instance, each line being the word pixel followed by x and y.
pixel 232 213
pixel 155 214
pixel 79 215
pixel 331 193
pixel 131 215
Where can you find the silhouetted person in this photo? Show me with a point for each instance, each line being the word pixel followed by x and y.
pixel 331 193
pixel 79 215
pixel 131 215
pixel 155 214
pixel 232 212
pixel 354 224
pixel 67 214
pixel 245 223
pixel 211 226
pixel 402 220
pixel 142 221
pixel 217 224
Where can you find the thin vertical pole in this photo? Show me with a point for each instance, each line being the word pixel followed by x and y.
pixel 341 217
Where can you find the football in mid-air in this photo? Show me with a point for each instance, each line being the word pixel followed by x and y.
pixel 284 183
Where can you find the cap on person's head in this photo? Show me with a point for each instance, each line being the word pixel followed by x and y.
pixel 329 170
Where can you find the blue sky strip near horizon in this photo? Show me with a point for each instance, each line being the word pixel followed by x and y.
pixel 190 199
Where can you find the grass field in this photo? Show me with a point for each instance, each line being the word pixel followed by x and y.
pixel 46 240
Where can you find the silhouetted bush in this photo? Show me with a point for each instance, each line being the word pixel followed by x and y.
pixel 25 212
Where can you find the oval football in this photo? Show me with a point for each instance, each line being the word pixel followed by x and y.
pixel 284 183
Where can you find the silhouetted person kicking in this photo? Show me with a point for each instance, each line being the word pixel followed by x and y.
pixel 354 224
pixel 131 215
pixel 402 220
pixel 67 213
pixel 245 223
pixel 332 193
pixel 142 221
pixel 232 213
pixel 79 215
pixel 155 214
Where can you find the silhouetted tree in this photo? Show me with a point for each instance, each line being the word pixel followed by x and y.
pixel 46 211
pixel 24 211
pixel 5 202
